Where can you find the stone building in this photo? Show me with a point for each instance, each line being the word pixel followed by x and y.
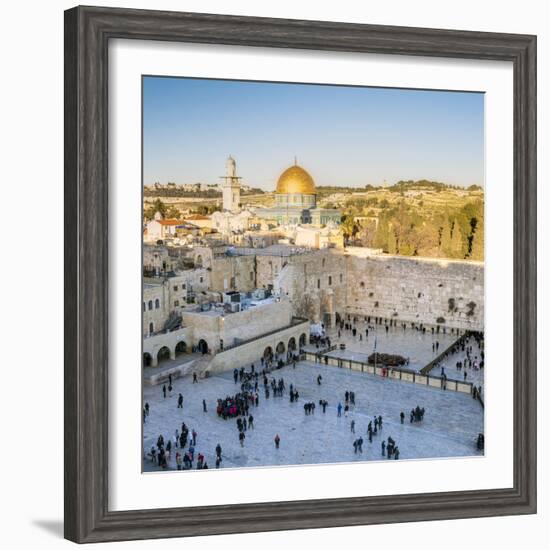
pixel 302 286
pixel 296 201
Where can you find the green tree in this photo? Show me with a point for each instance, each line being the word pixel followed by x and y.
pixel 157 206
pixel 445 239
pixel 457 244
pixel 382 233
pixel 477 252
pixel 392 242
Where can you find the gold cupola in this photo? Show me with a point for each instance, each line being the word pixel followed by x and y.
pixel 295 180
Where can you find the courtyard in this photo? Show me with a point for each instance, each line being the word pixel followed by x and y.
pixel 450 427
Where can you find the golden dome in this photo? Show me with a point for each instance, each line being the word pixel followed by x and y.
pixel 295 180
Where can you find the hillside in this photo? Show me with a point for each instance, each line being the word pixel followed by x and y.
pixel 414 218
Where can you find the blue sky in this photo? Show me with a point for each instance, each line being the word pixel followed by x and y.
pixel 342 135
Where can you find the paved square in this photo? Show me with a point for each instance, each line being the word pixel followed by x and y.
pixel 451 424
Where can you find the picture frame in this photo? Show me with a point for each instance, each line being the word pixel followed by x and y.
pixel 87 34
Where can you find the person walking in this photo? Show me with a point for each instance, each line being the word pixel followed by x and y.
pixel 164 391
pixel 384 448
pixel 195 379
pixel 241 438
pixel 277 441
pixel 180 401
pixel 352 426
pixel 204 405
pixel 339 409
pixel 402 416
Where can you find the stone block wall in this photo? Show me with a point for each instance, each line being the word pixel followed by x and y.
pixel 422 290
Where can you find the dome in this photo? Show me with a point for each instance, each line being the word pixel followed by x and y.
pixel 295 180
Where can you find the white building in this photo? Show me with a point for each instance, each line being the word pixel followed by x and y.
pixel 231 187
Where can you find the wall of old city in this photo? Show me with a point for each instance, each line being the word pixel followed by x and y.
pixel 430 291
pixel 316 284
pixel 233 273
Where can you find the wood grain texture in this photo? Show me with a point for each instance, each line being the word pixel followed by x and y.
pixel 87 34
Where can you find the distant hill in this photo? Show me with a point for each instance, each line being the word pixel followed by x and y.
pixel 414 218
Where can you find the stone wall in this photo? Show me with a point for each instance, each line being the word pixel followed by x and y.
pixel 251 352
pixel 242 325
pixel 233 273
pixel 430 291
pixel 316 285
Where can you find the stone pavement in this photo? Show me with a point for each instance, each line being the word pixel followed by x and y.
pixel 452 420
pixel 411 343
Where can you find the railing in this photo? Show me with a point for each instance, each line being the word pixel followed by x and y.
pixel 393 373
pixel 434 362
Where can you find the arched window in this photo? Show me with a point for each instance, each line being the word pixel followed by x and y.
pixel 157 303
pixel 150 305
pixel 151 328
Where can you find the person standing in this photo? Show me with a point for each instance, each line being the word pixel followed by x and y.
pixel 204 405
pixel 241 438
pixel 352 426
pixel 402 416
pixel 164 391
pixel 180 401
pixel 277 441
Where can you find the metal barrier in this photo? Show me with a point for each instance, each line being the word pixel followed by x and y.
pixel 392 373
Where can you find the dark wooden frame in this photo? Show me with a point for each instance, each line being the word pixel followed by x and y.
pixel 87 34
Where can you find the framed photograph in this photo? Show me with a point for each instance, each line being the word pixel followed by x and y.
pixel 300 274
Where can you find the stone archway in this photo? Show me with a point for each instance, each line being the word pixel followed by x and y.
pixel 163 354
pixel 147 360
pixel 292 344
pixel 202 346
pixel 303 339
pixel 268 353
pixel 280 348
pixel 181 347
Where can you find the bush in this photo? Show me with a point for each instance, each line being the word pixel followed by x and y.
pixel 386 359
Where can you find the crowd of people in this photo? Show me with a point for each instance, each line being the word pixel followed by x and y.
pixel 240 405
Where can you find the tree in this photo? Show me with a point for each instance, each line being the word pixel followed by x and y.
pixel 445 239
pixel 457 245
pixel 477 252
pixel 173 213
pixel 382 233
pixel 392 242
pixel 349 228
pixel 157 206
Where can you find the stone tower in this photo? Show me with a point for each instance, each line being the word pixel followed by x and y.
pixel 231 186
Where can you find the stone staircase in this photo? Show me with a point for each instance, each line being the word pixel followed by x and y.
pixel 201 366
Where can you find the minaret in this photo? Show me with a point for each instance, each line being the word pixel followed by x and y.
pixel 231 186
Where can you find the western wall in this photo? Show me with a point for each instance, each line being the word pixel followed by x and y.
pixel 431 291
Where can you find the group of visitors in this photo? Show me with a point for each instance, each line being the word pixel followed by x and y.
pixel 416 414
pixel 390 449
